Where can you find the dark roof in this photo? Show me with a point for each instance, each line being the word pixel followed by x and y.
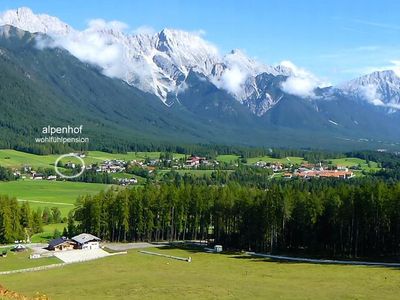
pixel 57 242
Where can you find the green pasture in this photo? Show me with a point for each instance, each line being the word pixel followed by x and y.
pixel 208 276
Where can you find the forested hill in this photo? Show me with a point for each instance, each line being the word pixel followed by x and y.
pixel 41 87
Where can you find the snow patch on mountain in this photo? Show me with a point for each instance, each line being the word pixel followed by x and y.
pixel 380 88
pixel 159 62
pixel 25 19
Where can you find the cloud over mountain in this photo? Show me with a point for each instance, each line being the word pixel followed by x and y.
pixel 160 63
pixel 301 83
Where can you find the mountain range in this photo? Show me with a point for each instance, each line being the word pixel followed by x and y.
pixel 173 85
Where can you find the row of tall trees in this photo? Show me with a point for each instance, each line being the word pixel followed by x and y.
pixel 330 218
pixel 17 221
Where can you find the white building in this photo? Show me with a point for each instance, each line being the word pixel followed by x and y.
pixel 86 241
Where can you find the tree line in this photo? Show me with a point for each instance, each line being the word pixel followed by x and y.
pixel 328 218
pixel 19 222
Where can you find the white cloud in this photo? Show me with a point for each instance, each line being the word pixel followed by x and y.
pixel 370 93
pixel 232 79
pixel 200 32
pixel 93 47
pixel 394 66
pixel 302 87
pixel 182 88
pixel 301 83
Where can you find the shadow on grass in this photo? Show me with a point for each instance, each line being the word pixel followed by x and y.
pixel 197 249
pixel 190 249
pixel 260 259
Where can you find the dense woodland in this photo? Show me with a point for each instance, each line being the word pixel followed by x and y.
pixel 18 221
pixel 329 218
pixel 208 150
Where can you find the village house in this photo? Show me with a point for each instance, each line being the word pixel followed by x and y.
pixel 260 164
pixel 37 176
pixel 70 165
pixel 27 169
pixel 112 166
pixel 288 175
pixel 195 161
pixel 306 174
pixel 83 241
pixel 136 163
pixel 61 244
pixel 16 173
pixel 126 181
pixel 342 168
pixel 275 167
pixel 86 241
pixel 153 162
pixel 79 154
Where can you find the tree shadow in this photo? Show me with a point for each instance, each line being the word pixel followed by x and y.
pixel 260 259
pixel 181 247
pixel 193 248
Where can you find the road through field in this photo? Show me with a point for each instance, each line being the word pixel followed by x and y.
pixel 46 202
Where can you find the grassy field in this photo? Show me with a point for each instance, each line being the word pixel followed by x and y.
pixel 98 155
pixel 252 160
pixel 353 161
pixel 193 172
pixel 209 276
pixel 62 194
pixel 12 158
pixel 48 232
pixel 228 158
pixel 141 180
pixel 20 260
pixel 293 160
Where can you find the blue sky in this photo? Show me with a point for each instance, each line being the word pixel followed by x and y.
pixel 336 40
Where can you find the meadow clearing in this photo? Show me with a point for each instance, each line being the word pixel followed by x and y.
pixel 20 260
pixel 42 193
pixel 16 159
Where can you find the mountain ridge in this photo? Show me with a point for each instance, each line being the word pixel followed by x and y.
pixel 199 110
pixel 159 62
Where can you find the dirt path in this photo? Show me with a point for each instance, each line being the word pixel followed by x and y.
pixel 46 202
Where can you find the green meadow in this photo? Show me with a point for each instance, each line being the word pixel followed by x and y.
pixel 16 159
pixel 13 158
pixel 47 233
pixel 228 158
pixel 286 160
pixel 20 260
pixel 194 172
pixel 208 276
pixel 42 193
pixel 353 161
